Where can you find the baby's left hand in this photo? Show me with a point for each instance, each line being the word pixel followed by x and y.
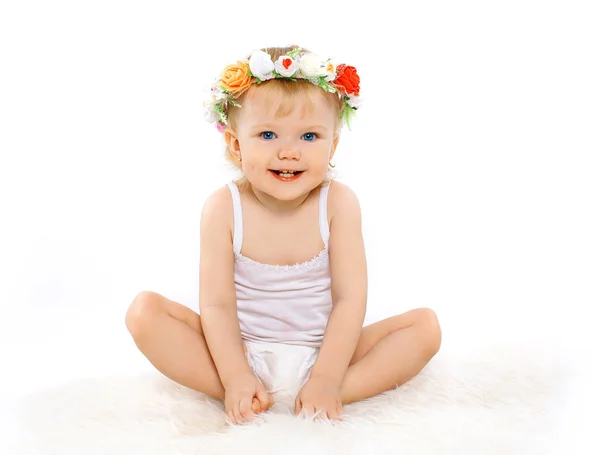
pixel 320 394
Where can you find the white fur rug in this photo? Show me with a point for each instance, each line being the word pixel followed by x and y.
pixel 501 400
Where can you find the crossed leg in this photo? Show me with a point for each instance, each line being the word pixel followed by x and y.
pixel 170 335
pixel 390 352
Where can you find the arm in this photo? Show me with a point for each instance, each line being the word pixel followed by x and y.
pixel 348 286
pixel 218 306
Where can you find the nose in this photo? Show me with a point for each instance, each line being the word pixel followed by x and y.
pixel 289 150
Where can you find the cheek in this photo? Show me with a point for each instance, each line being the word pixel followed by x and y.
pixel 324 156
pixel 250 165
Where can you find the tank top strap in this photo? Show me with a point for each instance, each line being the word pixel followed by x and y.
pixel 323 221
pixel 238 225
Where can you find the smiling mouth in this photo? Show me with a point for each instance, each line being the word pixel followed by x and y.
pixel 286 175
pixel 285 172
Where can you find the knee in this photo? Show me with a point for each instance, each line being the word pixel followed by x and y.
pixel 144 308
pixel 431 327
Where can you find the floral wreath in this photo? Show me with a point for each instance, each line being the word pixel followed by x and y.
pixel 238 77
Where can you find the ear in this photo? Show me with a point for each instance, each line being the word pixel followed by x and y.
pixel 334 145
pixel 232 142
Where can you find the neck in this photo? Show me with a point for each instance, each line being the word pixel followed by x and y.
pixel 278 206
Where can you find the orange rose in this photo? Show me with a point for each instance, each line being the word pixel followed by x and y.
pixel 236 79
pixel 347 80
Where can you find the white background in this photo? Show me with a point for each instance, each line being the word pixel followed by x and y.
pixel 475 158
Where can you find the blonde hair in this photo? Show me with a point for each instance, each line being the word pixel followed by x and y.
pixel 288 92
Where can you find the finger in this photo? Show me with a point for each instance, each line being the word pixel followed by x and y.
pixel 236 414
pixel 336 416
pixel 340 411
pixel 321 414
pixel 256 406
pixel 264 399
pixel 298 406
pixel 246 408
pixel 332 414
pixel 308 411
pixel 230 417
pixel 266 405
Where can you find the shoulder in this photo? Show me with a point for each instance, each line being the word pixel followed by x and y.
pixel 342 201
pixel 216 253
pixel 346 247
pixel 218 202
pixel 218 208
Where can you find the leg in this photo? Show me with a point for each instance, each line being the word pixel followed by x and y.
pixel 170 336
pixel 390 352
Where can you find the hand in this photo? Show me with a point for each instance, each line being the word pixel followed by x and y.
pixel 245 397
pixel 322 395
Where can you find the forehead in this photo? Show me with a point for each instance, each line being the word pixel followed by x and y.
pixel 278 101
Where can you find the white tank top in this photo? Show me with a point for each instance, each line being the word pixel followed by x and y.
pixel 282 303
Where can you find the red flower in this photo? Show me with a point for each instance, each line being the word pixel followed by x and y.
pixel 347 80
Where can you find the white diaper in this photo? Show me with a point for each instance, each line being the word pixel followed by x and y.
pixel 282 368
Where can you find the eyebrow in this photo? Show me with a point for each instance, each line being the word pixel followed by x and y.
pixel 272 126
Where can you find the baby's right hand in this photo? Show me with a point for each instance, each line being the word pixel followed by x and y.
pixel 244 397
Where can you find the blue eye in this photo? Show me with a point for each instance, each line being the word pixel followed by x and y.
pixel 267 135
pixel 309 137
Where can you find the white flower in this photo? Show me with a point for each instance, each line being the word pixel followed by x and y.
pixel 210 114
pixel 311 65
pixel 330 71
pixel 286 66
pixel 354 101
pixel 217 94
pixel 261 65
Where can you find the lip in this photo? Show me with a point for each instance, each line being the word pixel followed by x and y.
pixel 275 174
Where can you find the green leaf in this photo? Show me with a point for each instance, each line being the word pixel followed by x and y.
pixel 294 52
pixel 218 108
pixel 325 86
pixel 348 112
